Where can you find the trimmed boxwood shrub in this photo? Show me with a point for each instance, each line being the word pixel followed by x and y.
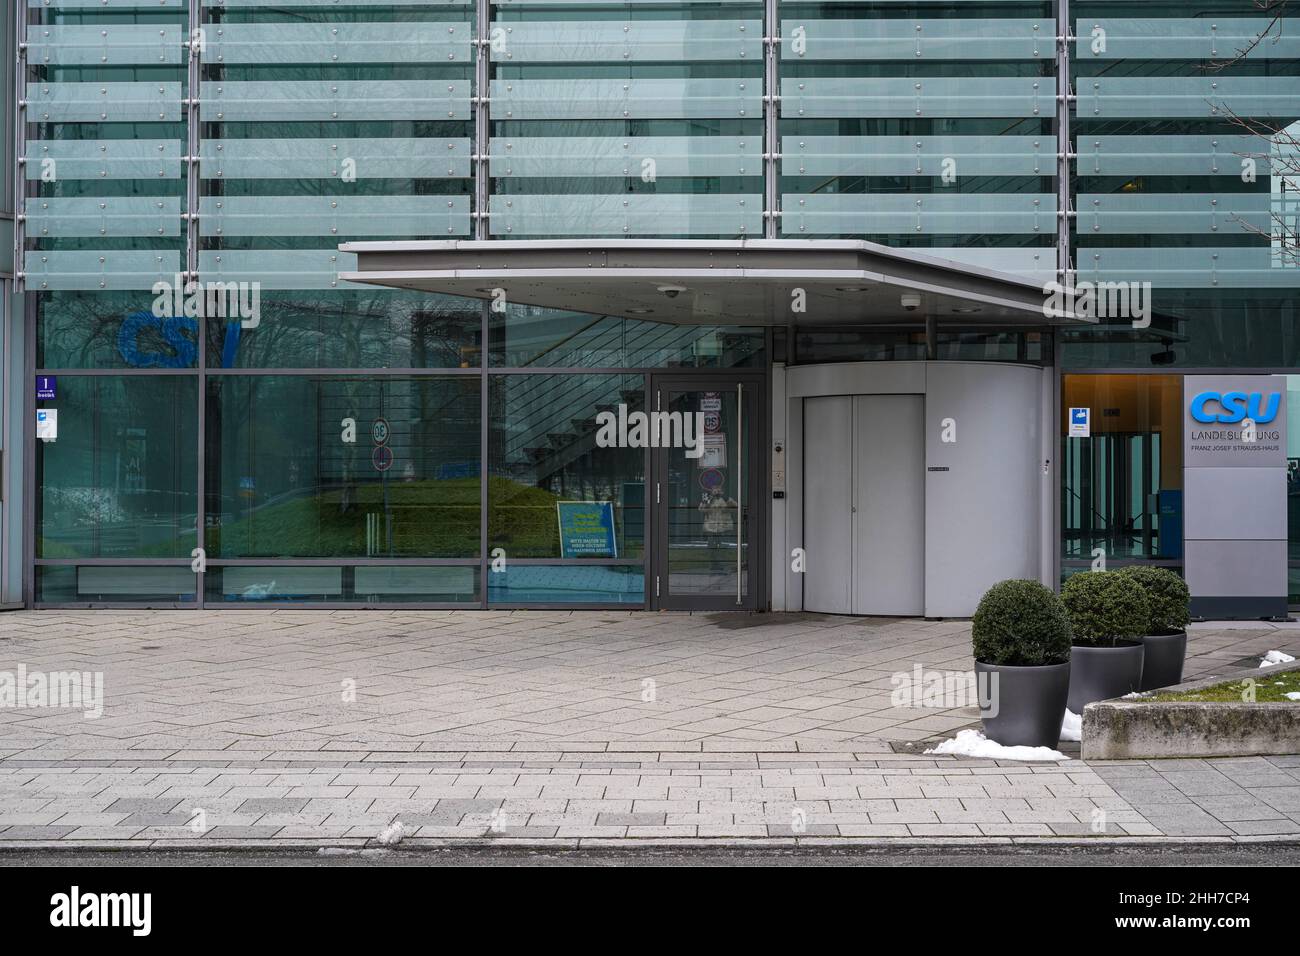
pixel 1105 607
pixel 1020 624
pixel 1167 595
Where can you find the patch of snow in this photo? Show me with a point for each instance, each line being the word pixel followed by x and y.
pixel 1072 726
pixel 392 834
pixel 1133 695
pixel 1292 695
pixel 1275 657
pixel 972 743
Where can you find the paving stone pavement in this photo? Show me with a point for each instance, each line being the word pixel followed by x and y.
pixel 315 727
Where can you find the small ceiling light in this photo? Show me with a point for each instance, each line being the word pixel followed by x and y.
pixel 968 310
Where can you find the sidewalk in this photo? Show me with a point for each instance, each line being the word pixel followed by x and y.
pixel 521 726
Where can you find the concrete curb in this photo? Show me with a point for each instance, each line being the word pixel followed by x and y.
pixel 1141 728
pixel 352 846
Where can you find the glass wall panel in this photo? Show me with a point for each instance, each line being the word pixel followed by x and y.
pixel 527 337
pixel 1184 180
pixel 118 583
pixel 362 328
pixel 567 584
pixel 302 466
pixel 614 119
pixel 550 480
pixel 1122 487
pixel 121 330
pixel 120 479
pixel 908 344
pixel 924 125
pixel 347 584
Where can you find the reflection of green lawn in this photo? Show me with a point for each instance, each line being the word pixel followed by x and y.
pixel 430 518
pixel 53 548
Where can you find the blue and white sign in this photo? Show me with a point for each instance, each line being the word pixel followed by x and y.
pixel 587 529
pixel 47 424
pixel 47 388
pixel 1081 423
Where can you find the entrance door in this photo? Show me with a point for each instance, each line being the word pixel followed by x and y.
pixel 708 553
pixel 864 504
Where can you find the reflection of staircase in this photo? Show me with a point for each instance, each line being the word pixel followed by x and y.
pixel 550 419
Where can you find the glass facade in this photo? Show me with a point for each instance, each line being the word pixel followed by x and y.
pixel 188 168
pixel 1122 487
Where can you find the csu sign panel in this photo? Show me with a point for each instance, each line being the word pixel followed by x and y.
pixel 1234 494
pixel 1234 421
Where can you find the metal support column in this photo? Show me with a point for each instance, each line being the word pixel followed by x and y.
pixel 193 146
pixel 1064 206
pixel 20 140
pixel 482 125
pixel 771 141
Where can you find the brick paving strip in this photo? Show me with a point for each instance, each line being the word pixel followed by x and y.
pixel 775 733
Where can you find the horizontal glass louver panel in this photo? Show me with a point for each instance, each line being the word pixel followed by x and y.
pixel 917 40
pixel 647 157
pixel 338 43
pixel 1029 262
pixel 279 268
pixel 71 159
pixel 342 159
pixel 917 155
pixel 109 44
pixel 1190 268
pixel 334 216
pixel 913 3
pixel 1190 96
pixel 331 4
pixel 1172 155
pixel 668 214
pixel 909 214
pixel 110 269
pixel 926 97
pixel 634 41
pixel 57 217
pixel 108 4
pixel 1224 37
pixel 626 99
pixel 103 102
pixel 620 3
pixel 1143 214
pixel 312 100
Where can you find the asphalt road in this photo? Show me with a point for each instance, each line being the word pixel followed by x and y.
pixel 1173 855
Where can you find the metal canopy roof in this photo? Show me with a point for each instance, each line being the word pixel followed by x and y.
pixel 740 282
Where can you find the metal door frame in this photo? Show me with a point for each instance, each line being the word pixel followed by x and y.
pixel 757 483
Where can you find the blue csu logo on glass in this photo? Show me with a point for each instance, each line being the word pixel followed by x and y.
pixel 1229 407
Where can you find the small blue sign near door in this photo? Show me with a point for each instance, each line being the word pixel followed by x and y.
pixel 1080 423
pixel 47 388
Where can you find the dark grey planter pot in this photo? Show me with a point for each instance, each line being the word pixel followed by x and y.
pixel 1162 661
pixel 1026 705
pixel 1100 673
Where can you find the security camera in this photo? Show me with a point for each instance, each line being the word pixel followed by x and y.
pixel 672 291
pixel 910 302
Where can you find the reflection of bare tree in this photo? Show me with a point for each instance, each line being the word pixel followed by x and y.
pixel 1278 155
pixel 1274 9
